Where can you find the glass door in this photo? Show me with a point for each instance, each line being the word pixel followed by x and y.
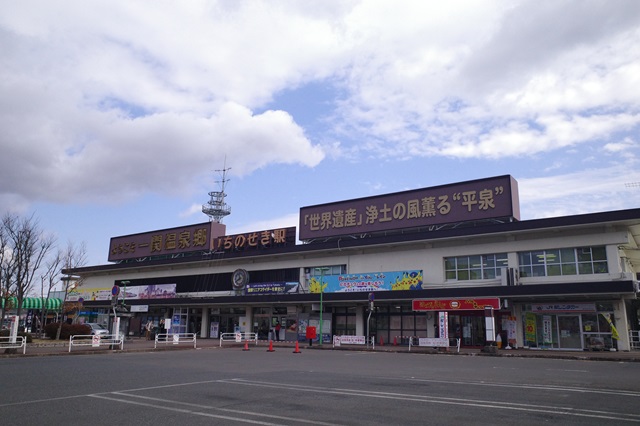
pixel 569 332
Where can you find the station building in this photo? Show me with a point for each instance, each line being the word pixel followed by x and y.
pixel 446 261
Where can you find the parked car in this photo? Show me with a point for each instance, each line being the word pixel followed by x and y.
pixel 97 328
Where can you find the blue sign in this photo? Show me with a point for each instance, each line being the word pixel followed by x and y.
pixel 374 281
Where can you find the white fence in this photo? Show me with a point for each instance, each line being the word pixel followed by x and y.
pixel 16 342
pixel 634 340
pixel 96 341
pixel 433 342
pixel 239 337
pixel 175 339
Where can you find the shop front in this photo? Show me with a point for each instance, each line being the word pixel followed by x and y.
pixel 570 326
pixel 472 320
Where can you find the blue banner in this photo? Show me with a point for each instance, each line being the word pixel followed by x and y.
pixel 271 288
pixel 376 281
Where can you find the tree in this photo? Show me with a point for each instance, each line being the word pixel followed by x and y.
pixel 72 257
pixel 49 278
pixel 29 246
pixel 6 266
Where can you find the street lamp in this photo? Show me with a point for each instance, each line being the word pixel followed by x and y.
pixel 322 270
pixel 124 295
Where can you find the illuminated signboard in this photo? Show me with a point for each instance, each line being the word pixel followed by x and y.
pixel 455 304
pixel 165 242
pixel 152 291
pixel 489 198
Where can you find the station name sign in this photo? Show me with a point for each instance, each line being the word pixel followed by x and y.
pixel 165 241
pixel 489 198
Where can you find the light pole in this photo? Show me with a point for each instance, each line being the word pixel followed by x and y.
pixel 322 269
pixel 124 295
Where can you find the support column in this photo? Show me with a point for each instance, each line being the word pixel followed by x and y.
pixel 204 326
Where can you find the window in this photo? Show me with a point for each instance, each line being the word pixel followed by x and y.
pixel 477 267
pixel 328 270
pixel 567 261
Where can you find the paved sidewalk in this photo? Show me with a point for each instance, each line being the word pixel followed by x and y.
pixel 47 348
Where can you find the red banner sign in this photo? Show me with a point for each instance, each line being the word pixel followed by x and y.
pixel 455 304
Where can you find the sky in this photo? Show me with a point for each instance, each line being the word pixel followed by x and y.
pixel 117 116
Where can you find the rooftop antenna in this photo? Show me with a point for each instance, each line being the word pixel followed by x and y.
pixel 216 208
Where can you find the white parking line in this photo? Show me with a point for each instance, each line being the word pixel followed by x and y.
pixel 431 399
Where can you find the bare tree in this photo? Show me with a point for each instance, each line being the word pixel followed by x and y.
pixel 74 256
pixel 6 265
pixel 29 246
pixel 49 278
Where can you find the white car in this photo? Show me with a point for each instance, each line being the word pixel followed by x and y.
pixel 97 328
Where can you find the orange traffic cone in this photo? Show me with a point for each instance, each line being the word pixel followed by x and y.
pixel 246 345
pixel 297 349
pixel 270 346
pixel 381 342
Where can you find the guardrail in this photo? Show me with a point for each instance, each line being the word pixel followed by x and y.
pixel 175 339
pixel 96 340
pixel 434 342
pixel 239 337
pixel 16 342
pixel 634 340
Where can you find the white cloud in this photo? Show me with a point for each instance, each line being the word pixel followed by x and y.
pixel 586 191
pixel 114 99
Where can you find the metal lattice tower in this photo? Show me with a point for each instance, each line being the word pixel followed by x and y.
pixel 216 208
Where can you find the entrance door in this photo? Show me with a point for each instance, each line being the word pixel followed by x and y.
pixel 569 331
pixel 472 331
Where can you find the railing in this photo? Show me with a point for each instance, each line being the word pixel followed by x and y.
pixel 175 339
pixel 96 340
pixel 434 343
pixel 15 342
pixel 634 340
pixel 239 337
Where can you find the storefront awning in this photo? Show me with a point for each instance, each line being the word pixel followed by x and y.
pixel 35 303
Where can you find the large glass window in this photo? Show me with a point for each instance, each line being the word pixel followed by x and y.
pixel 476 267
pixel 344 321
pixel 328 270
pixel 567 261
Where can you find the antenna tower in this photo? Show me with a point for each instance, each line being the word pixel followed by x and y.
pixel 216 208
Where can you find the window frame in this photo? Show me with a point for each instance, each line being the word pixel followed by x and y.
pixel 568 261
pixel 475 267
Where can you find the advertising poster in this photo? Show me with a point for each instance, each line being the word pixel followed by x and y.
pixel 547 333
pixel 372 281
pixel 443 325
pixel 530 327
pixel 214 330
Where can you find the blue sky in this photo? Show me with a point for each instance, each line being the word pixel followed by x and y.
pixel 116 115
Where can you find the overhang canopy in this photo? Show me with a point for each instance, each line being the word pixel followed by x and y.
pixel 35 303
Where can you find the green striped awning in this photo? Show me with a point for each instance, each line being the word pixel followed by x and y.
pixel 35 303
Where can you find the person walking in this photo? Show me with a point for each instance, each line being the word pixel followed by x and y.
pixel 277 328
pixel 147 329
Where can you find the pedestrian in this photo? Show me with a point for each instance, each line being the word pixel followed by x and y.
pixel 277 331
pixel 148 329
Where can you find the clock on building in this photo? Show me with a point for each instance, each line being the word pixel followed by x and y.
pixel 239 279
